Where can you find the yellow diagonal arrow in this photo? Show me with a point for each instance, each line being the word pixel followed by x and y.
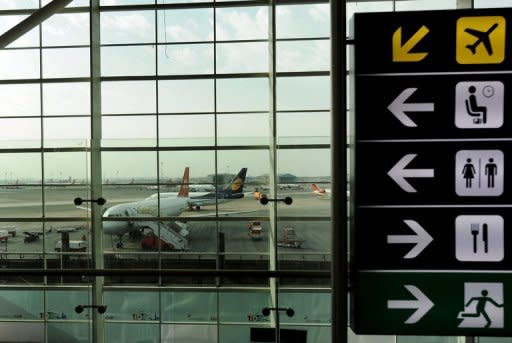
pixel 401 53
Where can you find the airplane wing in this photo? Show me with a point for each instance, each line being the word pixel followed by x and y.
pixel 476 33
pixel 487 45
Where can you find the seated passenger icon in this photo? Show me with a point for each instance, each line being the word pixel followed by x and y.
pixel 478 112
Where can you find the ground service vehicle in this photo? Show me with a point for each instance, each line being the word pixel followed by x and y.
pixel 255 230
pixel 290 239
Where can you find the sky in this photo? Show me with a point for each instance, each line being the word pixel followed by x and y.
pixel 66 106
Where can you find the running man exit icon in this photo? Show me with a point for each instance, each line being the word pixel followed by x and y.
pixel 480 40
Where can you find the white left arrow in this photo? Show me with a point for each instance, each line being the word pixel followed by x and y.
pixel 399 106
pixel 422 304
pixel 398 173
pixel 421 238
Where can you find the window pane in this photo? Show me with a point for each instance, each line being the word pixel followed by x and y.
pixel 189 333
pixel 66 29
pixel 11 136
pixel 303 56
pixel 134 166
pixel 129 333
pixel 29 39
pixel 66 132
pixel 303 93
pixel 242 23
pixel 19 64
pixel 128 131
pixel 243 129
pixel 18 4
pixel 185 59
pixel 66 98
pixel 73 62
pixel 128 97
pixel 20 100
pixel 186 130
pixel 185 96
pixel 128 60
pixel 189 306
pixel 190 25
pixel 127 27
pixel 301 21
pixel 134 306
pixel 235 95
pixel 242 306
pixel 242 57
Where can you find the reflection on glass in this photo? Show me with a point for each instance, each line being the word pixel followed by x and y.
pixel 60 305
pixel 243 307
pixel 189 306
pixel 68 332
pixel 135 306
pixel 21 304
pixel 129 333
pixel 22 332
pixel 310 308
pixel 190 333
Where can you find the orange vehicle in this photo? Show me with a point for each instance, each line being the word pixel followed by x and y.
pixel 290 239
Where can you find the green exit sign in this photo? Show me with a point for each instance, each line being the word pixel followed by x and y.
pixel 434 303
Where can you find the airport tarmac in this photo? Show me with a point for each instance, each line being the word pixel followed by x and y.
pixel 22 208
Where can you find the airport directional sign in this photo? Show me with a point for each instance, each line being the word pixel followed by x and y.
pixel 432 166
pixel 438 303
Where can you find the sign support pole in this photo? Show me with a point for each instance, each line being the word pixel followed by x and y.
pixel 339 223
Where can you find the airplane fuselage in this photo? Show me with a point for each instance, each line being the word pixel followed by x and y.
pixel 169 207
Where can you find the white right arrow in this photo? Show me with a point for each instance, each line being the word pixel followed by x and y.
pixel 398 107
pixel 420 237
pixel 422 304
pixel 398 173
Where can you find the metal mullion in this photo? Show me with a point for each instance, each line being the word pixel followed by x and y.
pixel 158 171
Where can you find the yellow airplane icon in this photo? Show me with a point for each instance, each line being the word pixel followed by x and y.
pixel 480 40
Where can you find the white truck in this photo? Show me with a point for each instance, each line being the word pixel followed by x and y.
pixel 74 246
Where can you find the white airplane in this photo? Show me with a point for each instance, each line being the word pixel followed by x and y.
pixel 169 207
pixel 320 191
pixel 230 191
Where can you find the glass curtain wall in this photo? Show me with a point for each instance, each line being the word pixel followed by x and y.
pixel 225 100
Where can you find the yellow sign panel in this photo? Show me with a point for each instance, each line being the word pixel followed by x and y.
pixel 402 52
pixel 480 40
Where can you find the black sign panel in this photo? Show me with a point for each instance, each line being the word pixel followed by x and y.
pixel 432 171
pixel 433 106
pixel 407 42
pixel 454 238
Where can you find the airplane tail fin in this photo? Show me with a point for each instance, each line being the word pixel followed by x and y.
pixel 236 186
pixel 472 47
pixel 183 193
